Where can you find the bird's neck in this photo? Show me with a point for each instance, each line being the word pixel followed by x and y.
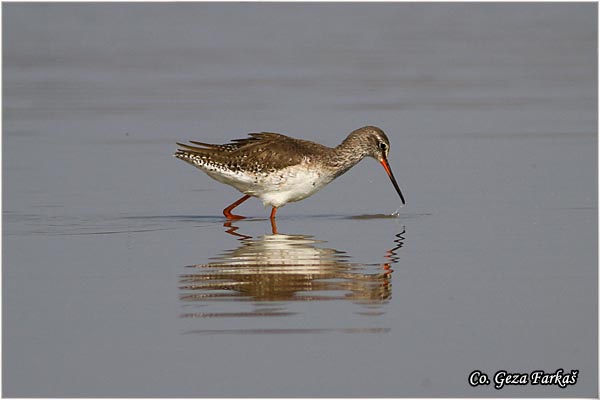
pixel 346 155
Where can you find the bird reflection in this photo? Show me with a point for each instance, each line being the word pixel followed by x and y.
pixel 282 267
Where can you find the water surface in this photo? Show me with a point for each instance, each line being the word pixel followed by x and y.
pixel 122 278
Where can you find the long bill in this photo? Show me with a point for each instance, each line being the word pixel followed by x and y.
pixel 387 168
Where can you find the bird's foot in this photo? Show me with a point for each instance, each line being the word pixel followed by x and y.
pixel 232 217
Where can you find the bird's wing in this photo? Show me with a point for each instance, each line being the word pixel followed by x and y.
pixel 234 144
pixel 265 151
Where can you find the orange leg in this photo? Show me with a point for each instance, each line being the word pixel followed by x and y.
pixel 273 226
pixel 273 223
pixel 227 212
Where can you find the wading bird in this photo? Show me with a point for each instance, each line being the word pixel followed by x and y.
pixel 279 169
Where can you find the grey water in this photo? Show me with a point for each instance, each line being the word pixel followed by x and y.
pixel 121 278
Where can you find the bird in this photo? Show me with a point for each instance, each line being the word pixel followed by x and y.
pixel 279 169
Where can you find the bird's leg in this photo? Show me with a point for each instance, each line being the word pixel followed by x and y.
pixel 227 212
pixel 273 223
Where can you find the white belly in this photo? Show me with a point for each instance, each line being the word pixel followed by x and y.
pixel 276 189
pixel 290 184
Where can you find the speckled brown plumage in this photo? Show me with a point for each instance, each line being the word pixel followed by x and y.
pixel 264 152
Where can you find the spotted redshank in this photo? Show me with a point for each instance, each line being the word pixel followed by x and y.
pixel 279 169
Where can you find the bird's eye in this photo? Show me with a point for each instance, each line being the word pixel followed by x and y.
pixel 382 146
